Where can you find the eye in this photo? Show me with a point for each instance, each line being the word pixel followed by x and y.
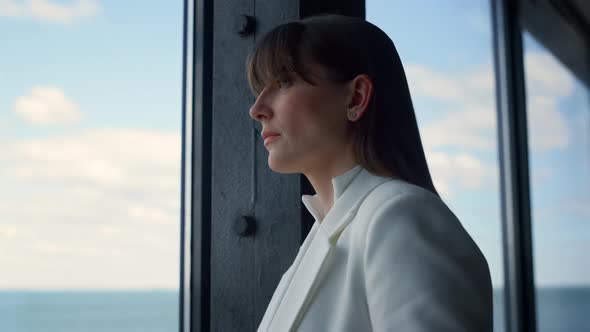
pixel 283 83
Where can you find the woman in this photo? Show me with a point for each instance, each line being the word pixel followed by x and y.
pixel 385 253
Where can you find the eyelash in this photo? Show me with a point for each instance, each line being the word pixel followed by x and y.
pixel 279 82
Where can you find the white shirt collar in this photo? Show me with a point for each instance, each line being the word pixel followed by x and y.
pixel 339 185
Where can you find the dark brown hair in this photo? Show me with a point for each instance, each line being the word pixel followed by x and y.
pixel 386 138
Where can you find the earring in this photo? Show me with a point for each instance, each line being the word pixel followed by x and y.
pixel 352 115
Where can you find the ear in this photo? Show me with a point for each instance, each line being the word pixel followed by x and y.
pixel 361 88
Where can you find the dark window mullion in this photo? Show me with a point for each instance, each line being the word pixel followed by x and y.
pixel 201 165
pixel 514 175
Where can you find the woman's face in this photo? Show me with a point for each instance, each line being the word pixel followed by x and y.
pixel 310 120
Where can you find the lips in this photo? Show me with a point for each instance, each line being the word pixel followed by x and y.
pixel 267 133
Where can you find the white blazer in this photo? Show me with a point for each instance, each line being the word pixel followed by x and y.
pixel 388 256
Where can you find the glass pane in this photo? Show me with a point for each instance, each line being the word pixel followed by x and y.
pixel 90 117
pixel 558 115
pixel 446 49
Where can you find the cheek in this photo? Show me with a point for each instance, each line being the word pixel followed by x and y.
pixel 311 119
pixel 297 115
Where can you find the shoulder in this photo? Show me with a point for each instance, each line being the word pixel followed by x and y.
pixel 418 258
pixel 405 221
pixel 410 214
pixel 397 198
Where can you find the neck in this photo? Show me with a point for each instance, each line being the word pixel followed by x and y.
pixel 321 180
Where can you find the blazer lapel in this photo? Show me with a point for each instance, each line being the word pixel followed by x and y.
pixel 314 257
pixel 347 205
pixel 280 292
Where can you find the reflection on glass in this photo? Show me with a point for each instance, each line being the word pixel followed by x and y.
pixel 446 50
pixel 90 165
pixel 558 115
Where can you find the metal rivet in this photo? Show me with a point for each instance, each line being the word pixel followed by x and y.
pixel 244 226
pixel 247 25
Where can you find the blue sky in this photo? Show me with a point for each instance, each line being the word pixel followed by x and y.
pixel 90 133
pixel 126 52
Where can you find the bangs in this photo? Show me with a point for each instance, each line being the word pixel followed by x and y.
pixel 276 57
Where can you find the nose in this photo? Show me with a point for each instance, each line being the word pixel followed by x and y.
pixel 260 110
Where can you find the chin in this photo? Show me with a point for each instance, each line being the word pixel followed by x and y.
pixel 281 166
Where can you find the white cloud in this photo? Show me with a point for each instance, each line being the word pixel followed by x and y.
pixel 47 105
pixel 132 173
pixel 459 172
pixel 8 232
pixel 109 195
pixel 547 83
pixel 50 11
pixel 547 127
pixel 545 76
pixel 566 212
pixel 143 213
pixel 98 157
pixel 466 104
pixel 473 127
pixel 45 248
pixel 427 82
pixel 578 207
pixel 470 86
pixel 10 8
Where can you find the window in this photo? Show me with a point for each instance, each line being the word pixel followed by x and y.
pixel 90 117
pixel 558 117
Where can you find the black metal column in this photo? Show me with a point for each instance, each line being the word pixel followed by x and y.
pixel 514 176
pixel 255 218
pixel 354 8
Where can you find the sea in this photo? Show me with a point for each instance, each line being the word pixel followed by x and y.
pixel 558 310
